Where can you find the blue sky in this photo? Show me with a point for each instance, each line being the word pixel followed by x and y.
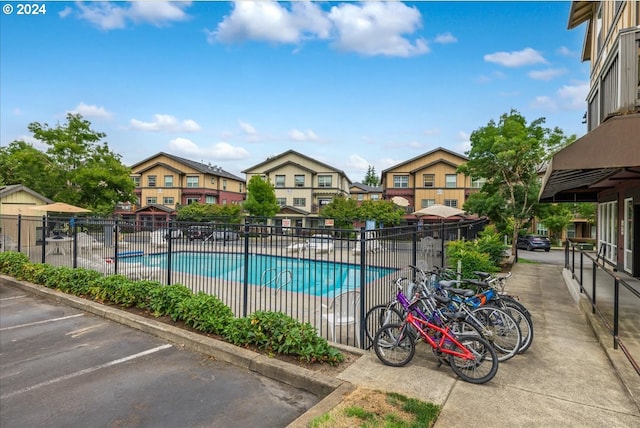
pixel 351 84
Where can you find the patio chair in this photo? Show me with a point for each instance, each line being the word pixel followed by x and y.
pixel 342 310
pixel 85 242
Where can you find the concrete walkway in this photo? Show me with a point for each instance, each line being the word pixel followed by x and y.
pixel 564 379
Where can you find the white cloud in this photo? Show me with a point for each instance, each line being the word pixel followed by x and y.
pixel 91 111
pixel 271 21
pixel 573 96
pixel 297 135
pixel 446 38
pixel 65 12
pixel 463 142
pixel 247 128
pixel 357 163
pixel 565 51
pixel 165 123
pixel 218 151
pixel 527 56
pixel 544 102
pixel 110 16
pixel 368 28
pixel 374 28
pixel 548 74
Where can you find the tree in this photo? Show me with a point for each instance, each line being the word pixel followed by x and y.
pixel 556 218
pixel 210 212
pixel 261 198
pixel 371 179
pixel 342 210
pixel 76 168
pixel 385 212
pixel 509 155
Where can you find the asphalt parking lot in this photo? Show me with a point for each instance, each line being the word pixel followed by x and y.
pixel 61 367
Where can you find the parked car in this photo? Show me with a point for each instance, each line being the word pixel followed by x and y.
pixel 199 232
pixel 224 235
pixel 534 242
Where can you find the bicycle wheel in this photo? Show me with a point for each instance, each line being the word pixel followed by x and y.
pixel 500 329
pixel 393 345
pixel 379 316
pixel 482 368
pixel 524 323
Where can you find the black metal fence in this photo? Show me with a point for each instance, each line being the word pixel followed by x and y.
pixel 327 277
pixel 614 298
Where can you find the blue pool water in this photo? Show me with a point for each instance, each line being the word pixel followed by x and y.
pixel 315 277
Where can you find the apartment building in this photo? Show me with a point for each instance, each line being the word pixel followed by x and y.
pixel 303 185
pixel 164 181
pixel 362 192
pixel 428 179
pixel 603 166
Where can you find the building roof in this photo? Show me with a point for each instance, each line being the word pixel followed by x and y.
pixel 14 188
pixel 602 158
pixel 293 152
pixel 367 188
pixel 439 149
pixel 198 166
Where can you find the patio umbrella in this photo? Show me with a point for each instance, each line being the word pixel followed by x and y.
pixel 400 201
pixel 60 207
pixel 438 210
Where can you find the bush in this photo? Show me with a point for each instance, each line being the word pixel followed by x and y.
pixel 165 300
pixel 472 259
pixel 11 263
pixel 205 313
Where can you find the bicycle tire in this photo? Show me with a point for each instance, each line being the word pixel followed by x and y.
pixel 394 346
pixel 378 316
pixel 500 329
pixel 480 370
pixel 524 323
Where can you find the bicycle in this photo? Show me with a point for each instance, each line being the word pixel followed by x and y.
pixel 471 357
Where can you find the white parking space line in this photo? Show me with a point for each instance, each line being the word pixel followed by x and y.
pixel 40 322
pixel 85 371
pixel 13 297
pixel 80 332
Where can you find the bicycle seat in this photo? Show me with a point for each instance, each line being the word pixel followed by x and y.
pixel 482 275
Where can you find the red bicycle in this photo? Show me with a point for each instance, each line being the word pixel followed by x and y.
pixel 471 357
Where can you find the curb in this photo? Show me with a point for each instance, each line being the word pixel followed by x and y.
pixel 299 377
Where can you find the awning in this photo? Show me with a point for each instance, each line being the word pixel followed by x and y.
pixel 601 159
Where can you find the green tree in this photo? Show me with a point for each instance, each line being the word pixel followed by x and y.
pixel 198 212
pixel 385 212
pixel 342 210
pixel 76 167
pixel 556 218
pixel 509 155
pixel 261 198
pixel 371 179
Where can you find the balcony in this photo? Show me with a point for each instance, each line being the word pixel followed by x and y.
pixel 617 88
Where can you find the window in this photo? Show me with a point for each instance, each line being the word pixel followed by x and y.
pixel 224 184
pixel 213 180
pixel 167 201
pixel 281 201
pixel 209 199
pixel 428 180
pixel 299 202
pixel 451 180
pixel 136 181
pixel 541 230
pixel 192 201
pixel 280 180
pixel 324 181
pixel 151 181
pixel 598 31
pixel 401 181
pixel 193 181
pixel 375 197
pixel 453 203
pixel 240 188
pixel 571 230
pixel 424 203
pixel 477 183
pixel 299 180
pixel 168 181
pixel 151 201
pixel 323 202
pixel 360 196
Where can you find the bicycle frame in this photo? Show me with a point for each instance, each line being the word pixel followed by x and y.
pixel 418 323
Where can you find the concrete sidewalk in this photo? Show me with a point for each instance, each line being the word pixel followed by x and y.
pixel 564 379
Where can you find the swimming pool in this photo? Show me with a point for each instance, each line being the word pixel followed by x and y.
pixel 315 277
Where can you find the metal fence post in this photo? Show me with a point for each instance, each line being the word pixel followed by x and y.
pixel 44 238
pixel 19 231
pixel 616 307
pixel 245 282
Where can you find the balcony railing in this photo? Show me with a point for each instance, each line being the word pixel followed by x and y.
pixel 617 88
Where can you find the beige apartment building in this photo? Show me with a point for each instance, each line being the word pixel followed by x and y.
pixel 603 166
pixel 303 185
pixel 164 181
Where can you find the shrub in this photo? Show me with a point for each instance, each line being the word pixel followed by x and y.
pixel 165 300
pixel 205 313
pixel 491 243
pixel 113 289
pixel 472 259
pixel 11 263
